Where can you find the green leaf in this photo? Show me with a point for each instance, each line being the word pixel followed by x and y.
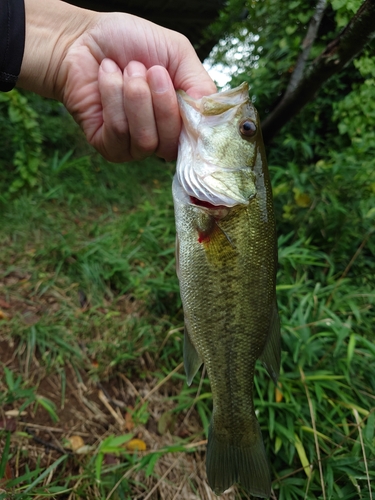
pixel 44 474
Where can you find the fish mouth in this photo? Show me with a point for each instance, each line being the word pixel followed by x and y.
pixel 216 211
pixel 202 203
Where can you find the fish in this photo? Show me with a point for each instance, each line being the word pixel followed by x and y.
pixel 226 260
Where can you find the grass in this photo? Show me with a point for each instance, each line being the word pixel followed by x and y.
pixel 91 348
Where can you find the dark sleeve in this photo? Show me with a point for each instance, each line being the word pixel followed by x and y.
pixel 12 42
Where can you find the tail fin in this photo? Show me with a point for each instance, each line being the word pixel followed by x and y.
pixel 228 463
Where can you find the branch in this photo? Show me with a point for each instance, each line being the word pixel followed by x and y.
pixel 349 43
pixel 306 46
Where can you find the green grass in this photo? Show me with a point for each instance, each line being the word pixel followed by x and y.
pixel 88 280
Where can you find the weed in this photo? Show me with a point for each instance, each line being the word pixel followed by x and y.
pixel 91 331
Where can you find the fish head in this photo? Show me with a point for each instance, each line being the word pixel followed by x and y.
pixel 220 143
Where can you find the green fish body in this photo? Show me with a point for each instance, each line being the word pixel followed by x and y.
pixel 226 264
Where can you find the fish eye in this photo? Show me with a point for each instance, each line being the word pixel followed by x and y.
pixel 248 128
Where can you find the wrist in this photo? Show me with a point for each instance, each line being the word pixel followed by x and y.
pixel 51 28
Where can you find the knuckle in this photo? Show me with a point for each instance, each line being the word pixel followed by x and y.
pixel 167 151
pixel 147 142
pixel 136 89
pixel 144 145
pixel 119 129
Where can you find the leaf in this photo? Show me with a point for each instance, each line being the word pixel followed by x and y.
pixel 278 395
pixel 3 315
pixel 46 473
pixel 5 455
pixel 75 443
pixel 129 424
pixel 113 442
pixel 49 406
pixel 9 424
pixel 98 466
pixel 136 444
pixel 370 425
pixel 166 422
pixel 302 200
pixel 302 455
pixel 351 347
pixel 278 444
pixel 7 475
pixel 150 466
pixel 9 378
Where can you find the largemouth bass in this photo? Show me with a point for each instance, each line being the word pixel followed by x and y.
pixel 226 264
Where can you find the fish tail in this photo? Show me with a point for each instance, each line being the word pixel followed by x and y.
pixel 228 463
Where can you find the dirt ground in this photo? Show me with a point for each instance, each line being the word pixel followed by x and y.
pixel 89 411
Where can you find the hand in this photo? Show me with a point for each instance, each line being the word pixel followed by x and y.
pixel 117 75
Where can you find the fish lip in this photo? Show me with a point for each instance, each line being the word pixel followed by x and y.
pixel 224 100
pixel 207 206
pixel 218 212
pixel 206 198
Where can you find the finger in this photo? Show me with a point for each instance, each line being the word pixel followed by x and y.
pixel 139 111
pixel 112 139
pixel 166 111
pixel 188 72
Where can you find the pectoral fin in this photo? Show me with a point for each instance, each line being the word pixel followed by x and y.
pixel 192 361
pixel 272 352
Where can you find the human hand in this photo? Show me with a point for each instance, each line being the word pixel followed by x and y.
pixel 117 75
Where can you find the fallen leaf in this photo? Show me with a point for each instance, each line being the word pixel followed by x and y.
pixel 85 449
pixel 278 395
pixel 9 424
pixel 110 459
pixel 129 424
pixel 7 475
pixel 4 304
pixel 3 315
pixel 135 444
pixel 75 443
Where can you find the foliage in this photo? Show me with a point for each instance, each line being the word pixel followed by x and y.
pixel 22 149
pixel 31 131
pixel 90 249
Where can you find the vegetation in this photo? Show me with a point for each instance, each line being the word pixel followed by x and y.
pixel 94 402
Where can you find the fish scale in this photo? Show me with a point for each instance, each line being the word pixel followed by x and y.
pixel 226 263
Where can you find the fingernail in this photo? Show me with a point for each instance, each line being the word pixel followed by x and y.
pixel 159 81
pixel 109 66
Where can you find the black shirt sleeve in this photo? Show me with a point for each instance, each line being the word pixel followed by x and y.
pixel 12 42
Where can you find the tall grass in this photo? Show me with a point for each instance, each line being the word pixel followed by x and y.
pixel 87 265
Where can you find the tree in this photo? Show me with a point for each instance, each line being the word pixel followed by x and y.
pixel 319 110
pixel 305 82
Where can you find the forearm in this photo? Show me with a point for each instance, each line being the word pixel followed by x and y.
pixel 51 27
